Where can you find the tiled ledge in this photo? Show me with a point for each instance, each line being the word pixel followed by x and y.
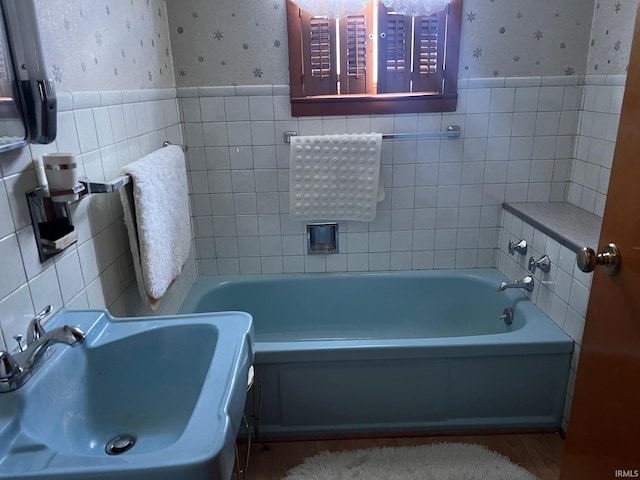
pixel 567 224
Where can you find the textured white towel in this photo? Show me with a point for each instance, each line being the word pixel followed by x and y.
pixel 156 212
pixel 335 177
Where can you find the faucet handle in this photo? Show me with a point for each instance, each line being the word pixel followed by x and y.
pixel 543 263
pixel 18 338
pixel 35 329
pixel 8 366
pixel 520 247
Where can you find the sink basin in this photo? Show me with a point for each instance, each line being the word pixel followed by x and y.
pixel 170 390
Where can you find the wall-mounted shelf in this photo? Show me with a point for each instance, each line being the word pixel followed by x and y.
pixel 51 222
pixel 50 216
pixel 565 223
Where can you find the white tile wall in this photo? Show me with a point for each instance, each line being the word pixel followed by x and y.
pixel 562 293
pixel 517 144
pixel 597 132
pixel 107 130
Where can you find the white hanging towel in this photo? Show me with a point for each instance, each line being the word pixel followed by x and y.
pixel 156 213
pixel 335 177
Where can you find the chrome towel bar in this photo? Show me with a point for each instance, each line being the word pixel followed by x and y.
pixel 113 185
pixel 453 131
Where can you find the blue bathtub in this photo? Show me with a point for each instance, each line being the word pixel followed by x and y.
pixel 396 352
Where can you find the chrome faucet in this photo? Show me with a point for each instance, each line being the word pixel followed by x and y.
pixel 526 283
pixel 520 247
pixel 16 369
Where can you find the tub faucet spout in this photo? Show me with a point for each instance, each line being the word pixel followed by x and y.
pixel 526 283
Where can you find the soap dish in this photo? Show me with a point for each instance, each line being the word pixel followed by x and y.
pixel 60 243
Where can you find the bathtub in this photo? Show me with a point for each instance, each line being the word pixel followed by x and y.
pixel 395 352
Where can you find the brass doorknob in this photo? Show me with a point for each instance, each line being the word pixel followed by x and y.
pixel 587 259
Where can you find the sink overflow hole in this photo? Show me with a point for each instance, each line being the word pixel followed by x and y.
pixel 120 444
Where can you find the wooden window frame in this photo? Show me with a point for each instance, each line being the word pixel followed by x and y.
pixel 373 104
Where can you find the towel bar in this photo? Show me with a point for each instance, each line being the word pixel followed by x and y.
pixel 166 143
pixel 104 187
pixel 453 131
pixel 115 184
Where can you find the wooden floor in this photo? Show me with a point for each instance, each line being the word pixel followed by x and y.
pixel 541 454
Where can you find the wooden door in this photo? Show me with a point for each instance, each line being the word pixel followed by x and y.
pixel 604 429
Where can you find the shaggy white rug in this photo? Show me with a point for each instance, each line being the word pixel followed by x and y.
pixel 438 461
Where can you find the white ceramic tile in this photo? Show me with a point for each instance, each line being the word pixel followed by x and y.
pixel 574 325
pixel 89 264
pixel 261 108
pixel 268 224
pixel 262 133
pixel 130 120
pixel 237 108
pixel 16 311
pixel 103 126
pixel 500 124
pixel 215 134
pixel 479 100
pixel 239 133
pixel 550 99
pixel 13 273
pixel 45 290
pixel 477 125
pixel 399 261
pixel 268 202
pixel 6 219
pixel 526 99
pixel 67 137
pixel 210 109
pixel 118 125
pixel 502 100
pixel 141 118
pixel 69 275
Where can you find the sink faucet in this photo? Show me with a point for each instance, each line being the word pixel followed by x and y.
pixel 16 369
pixel 526 283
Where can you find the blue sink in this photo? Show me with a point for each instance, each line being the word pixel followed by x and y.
pixel 174 386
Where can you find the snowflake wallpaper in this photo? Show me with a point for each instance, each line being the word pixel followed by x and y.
pixel 106 44
pixel 611 34
pixel 507 38
pixel 130 44
pixel 243 42
pixel 229 42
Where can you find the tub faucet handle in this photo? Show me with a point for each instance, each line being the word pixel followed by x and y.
pixel 520 247
pixel 543 263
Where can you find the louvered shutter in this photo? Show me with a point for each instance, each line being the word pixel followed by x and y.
pixel 356 72
pixel 320 76
pixel 428 55
pixel 394 52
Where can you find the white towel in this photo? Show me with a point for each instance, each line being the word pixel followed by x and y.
pixel 335 177
pixel 156 213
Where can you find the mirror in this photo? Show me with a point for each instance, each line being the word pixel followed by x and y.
pixel 28 106
pixel 13 132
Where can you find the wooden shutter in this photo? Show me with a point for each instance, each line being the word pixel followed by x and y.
pixel 356 52
pixel 394 52
pixel 320 74
pixel 428 55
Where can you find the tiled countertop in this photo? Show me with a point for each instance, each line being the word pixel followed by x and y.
pixel 571 226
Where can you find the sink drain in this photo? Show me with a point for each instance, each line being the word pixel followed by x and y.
pixel 120 444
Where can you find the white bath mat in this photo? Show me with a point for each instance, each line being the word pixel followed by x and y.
pixel 438 461
pixel 335 177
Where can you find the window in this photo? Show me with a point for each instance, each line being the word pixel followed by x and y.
pixel 375 61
